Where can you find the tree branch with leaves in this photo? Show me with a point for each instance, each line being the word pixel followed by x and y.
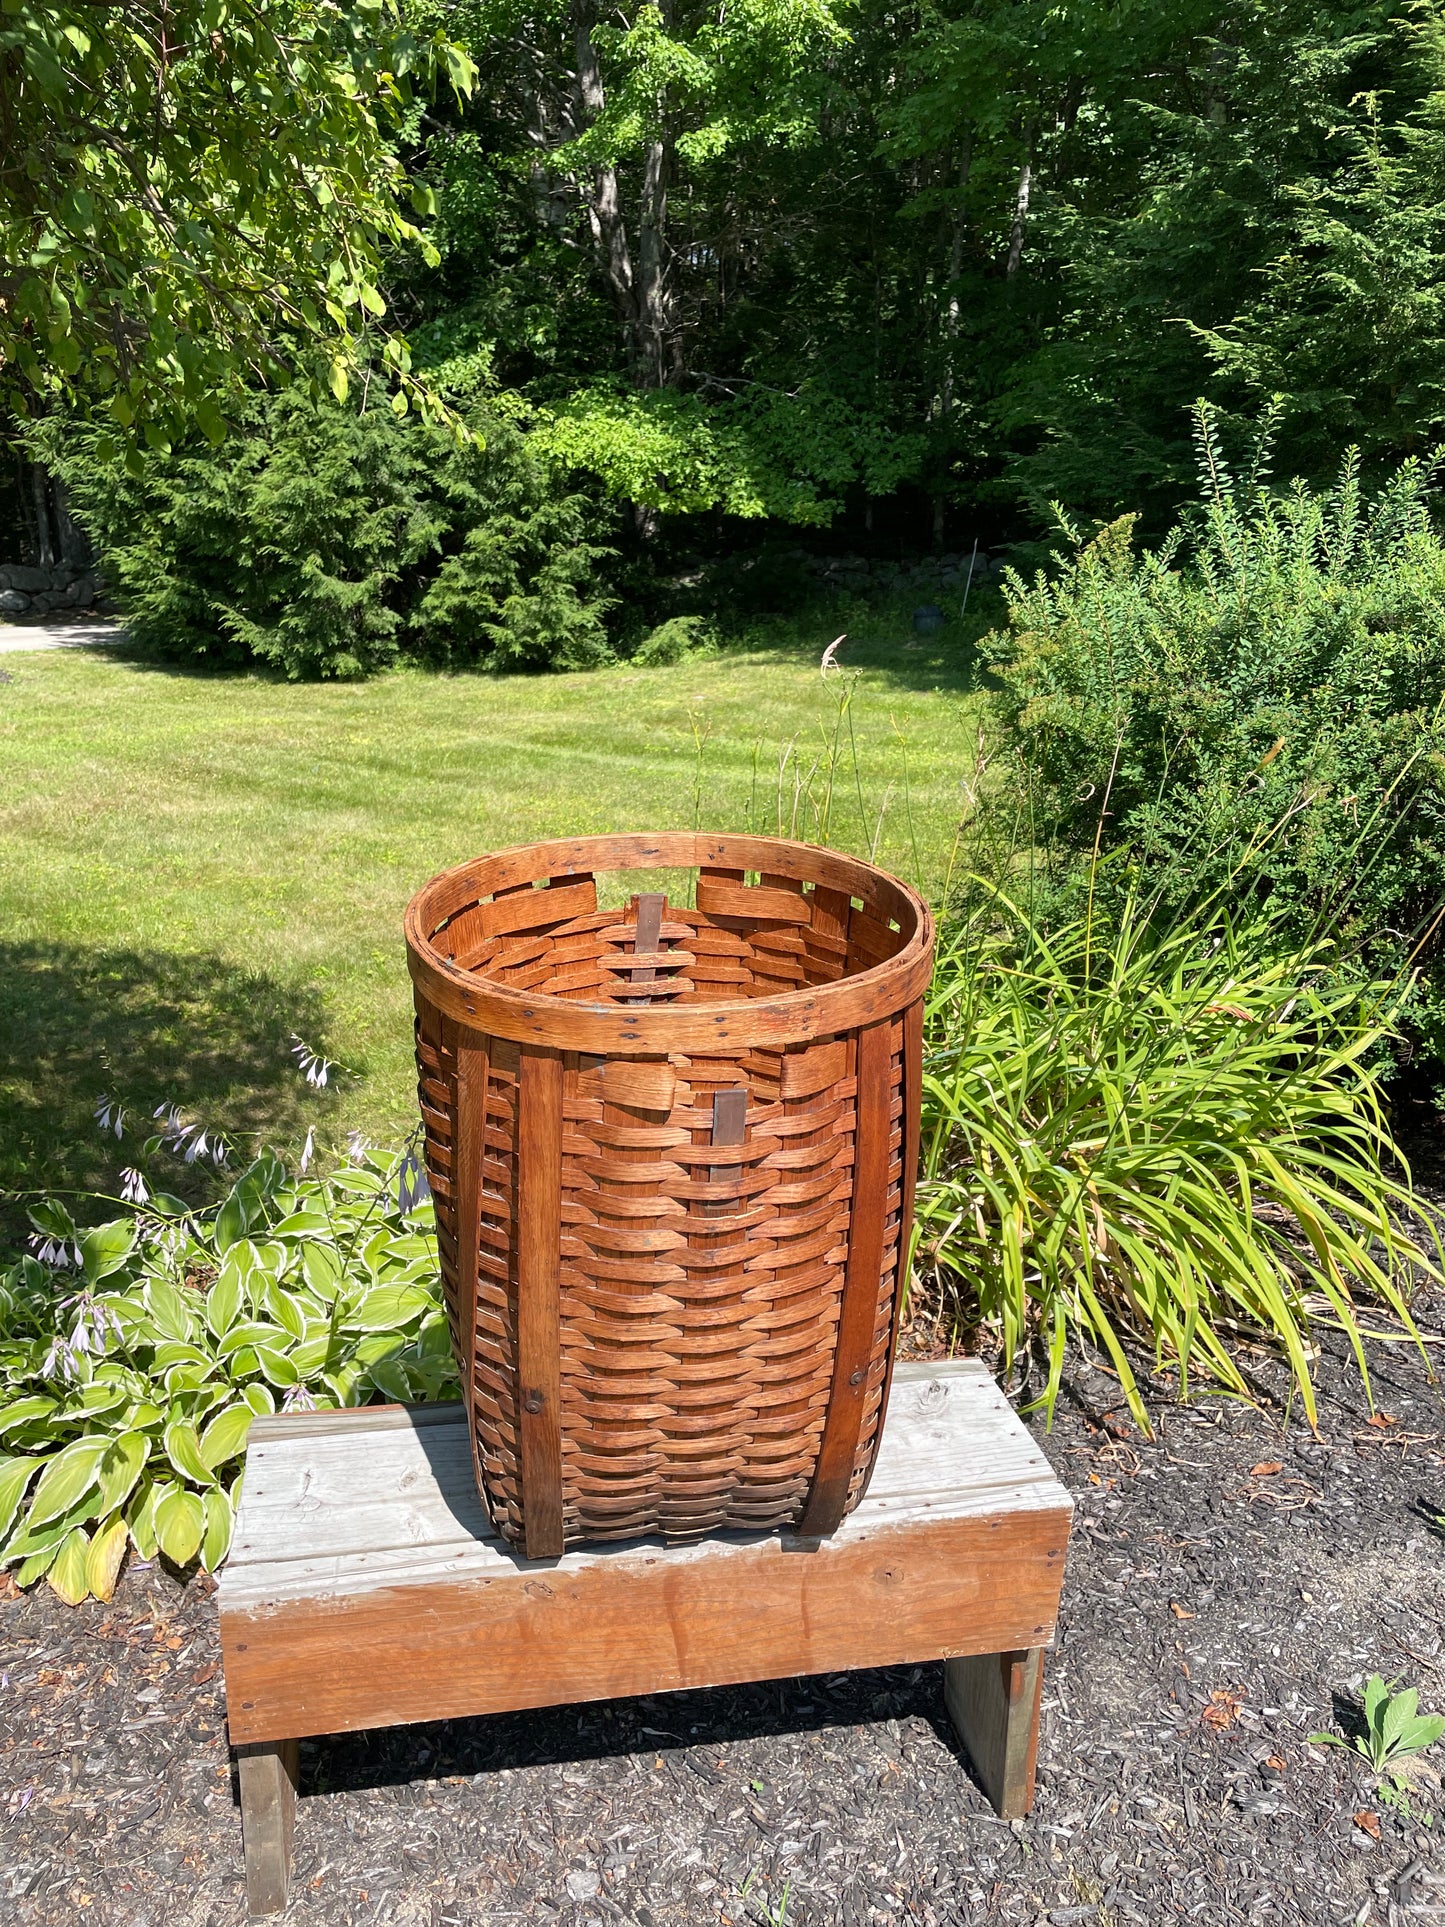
pixel 199 194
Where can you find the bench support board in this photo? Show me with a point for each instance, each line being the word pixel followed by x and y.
pixel 993 1701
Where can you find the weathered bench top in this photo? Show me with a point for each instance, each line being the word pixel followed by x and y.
pixel 366 1587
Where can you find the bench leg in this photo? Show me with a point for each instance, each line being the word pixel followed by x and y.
pixel 993 1701
pixel 268 1821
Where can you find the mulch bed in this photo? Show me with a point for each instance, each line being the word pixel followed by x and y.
pixel 1227 1582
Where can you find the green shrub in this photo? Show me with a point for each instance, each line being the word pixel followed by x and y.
pixel 679 639
pixel 1263 696
pixel 1171 1135
pixel 519 593
pixel 137 1352
pixel 327 541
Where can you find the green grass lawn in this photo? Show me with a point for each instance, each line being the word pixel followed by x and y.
pixel 193 868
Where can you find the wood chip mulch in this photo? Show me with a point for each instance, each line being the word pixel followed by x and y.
pixel 1231 1585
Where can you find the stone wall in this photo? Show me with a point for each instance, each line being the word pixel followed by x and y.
pixel 57 588
pixel 924 576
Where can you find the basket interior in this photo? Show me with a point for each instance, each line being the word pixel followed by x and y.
pixel 719 935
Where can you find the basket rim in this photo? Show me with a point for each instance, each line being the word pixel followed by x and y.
pixel 797 1016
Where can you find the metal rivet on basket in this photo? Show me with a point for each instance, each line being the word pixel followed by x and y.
pixel 534 1401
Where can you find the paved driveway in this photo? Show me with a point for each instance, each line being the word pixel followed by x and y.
pixel 16 637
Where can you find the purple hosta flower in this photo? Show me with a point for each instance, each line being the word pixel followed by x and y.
pixel 109 1116
pixel 61 1361
pixel 88 1336
pixel 412 1187
pixel 315 1068
pixel 133 1187
pixel 54 1252
pixel 94 1322
pixel 297 1399
pixel 189 1141
pixel 165 1238
pixel 357 1147
pixel 307 1150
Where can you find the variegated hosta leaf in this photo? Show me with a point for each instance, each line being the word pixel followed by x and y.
pixel 69 1572
pixel 107 1550
pixel 140 1516
pixel 20 1412
pixel 180 1521
pixel 36 1566
pixel 219 1523
pixel 388 1308
pixel 225 1437
pixel 120 1468
pixel 70 1473
pixel 183 1449
pixel 15 1477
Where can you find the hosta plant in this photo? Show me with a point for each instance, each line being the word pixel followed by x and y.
pixel 137 1353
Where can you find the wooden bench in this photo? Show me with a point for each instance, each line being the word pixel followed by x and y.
pixel 366 1588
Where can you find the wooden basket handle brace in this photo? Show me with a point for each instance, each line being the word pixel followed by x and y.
pixel 651 908
pixel 729 1126
pixel 539 1242
pixel 468 1150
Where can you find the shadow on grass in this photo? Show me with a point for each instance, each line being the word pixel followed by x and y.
pixel 146 1027
pixel 880 640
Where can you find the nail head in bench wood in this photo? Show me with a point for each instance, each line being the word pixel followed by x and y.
pixel 367 1588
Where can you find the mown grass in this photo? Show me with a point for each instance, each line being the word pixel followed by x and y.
pixel 194 867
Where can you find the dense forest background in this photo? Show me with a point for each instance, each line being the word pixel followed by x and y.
pixel 961 260
pixel 707 276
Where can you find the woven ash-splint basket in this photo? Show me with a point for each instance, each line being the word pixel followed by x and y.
pixel 672 1151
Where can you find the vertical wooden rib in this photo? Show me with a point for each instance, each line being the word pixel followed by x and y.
pixel 539 1240
pixel 468 1140
pixel 859 1314
pixel 912 1126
